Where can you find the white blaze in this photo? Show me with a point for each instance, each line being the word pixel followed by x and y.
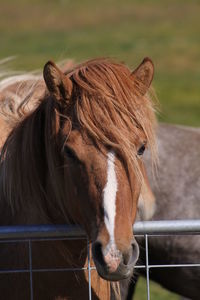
pixel 109 197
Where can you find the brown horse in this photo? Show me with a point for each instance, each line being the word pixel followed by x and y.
pixel 76 157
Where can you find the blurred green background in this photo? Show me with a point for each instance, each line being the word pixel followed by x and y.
pixel 168 31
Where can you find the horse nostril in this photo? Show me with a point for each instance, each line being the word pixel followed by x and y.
pixel 131 256
pixel 97 252
pixel 135 252
pixel 127 256
pixel 107 258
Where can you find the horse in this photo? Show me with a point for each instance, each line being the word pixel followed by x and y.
pixel 76 158
pixel 176 189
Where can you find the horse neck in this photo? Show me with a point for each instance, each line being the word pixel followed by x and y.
pixel 23 170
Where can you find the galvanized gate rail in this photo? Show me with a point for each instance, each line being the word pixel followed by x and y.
pixel 29 234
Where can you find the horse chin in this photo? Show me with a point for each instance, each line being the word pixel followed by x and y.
pixel 125 267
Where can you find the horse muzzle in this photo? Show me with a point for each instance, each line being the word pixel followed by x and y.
pixel 112 264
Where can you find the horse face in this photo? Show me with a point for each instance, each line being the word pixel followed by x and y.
pixel 103 194
pixel 104 203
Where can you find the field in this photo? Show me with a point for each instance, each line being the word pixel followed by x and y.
pixel 168 31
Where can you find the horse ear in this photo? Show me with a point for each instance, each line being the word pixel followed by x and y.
pixel 58 84
pixel 143 75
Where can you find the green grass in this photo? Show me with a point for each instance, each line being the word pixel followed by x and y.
pixel 157 293
pixel 168 31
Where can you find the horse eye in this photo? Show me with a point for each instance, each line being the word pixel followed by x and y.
pixel 70 154
pixel 141 150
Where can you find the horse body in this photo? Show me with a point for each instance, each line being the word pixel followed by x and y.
pixel 177 194
pixel 179 180
pixel 75 157
pixel 176 188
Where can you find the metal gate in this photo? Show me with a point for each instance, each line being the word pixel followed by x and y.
pixel 30 234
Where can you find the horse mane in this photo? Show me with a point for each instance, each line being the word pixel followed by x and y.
pixel 106 104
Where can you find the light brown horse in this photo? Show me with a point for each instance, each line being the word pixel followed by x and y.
pixel 76 157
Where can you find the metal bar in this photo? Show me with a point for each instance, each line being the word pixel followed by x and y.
pixel 168 266
pixel 74 231
pixel 44 239
pixel 44 270
pixel 167 227
pixel 147 266
pixel 89 272
pixel 93 268
pixel 175 266
pixel 30 269
pixel 40 231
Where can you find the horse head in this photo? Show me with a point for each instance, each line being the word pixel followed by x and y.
pixel 104 122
